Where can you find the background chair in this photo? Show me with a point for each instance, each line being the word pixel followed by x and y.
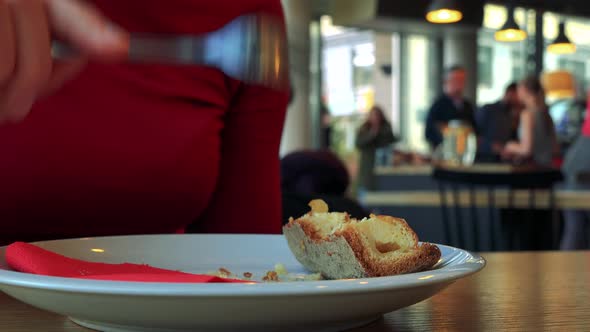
pixel 490 196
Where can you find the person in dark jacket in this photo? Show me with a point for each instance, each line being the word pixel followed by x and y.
pixel 496 126
pixel 451 105
pixel 326 127
pixel 314 172
pixel 307 175
pixel 375 133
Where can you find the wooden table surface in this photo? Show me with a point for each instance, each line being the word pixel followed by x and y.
pixel 515 292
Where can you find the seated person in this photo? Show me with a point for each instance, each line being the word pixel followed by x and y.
pixel 495 125
pixel 308 175
pixel 451 105
pixel 537 142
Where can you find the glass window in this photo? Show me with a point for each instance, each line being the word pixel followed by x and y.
pixel 338 80
pixel 578 68
pixel 363 63
pixel 518 65
pixel 499 64
pixel 418 90
pixel 484 65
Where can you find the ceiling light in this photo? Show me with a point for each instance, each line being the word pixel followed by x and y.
pixel 562 44
pixel 444 12
pixel 510 31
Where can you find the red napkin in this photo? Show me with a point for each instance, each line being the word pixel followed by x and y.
pixel 27 258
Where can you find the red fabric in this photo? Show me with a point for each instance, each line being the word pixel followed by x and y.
pixel 28 258
pixel 586 126
pixel 127 149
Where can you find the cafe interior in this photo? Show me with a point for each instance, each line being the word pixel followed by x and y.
pixel 432 169
pixel 396 56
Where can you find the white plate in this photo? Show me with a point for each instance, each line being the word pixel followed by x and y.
pixel 289 306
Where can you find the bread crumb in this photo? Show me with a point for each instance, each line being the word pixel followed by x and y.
pixel 279 274
pixel 305 277
pixel 318 206
pixel 271 276
pixel 224 273
pixel 280 269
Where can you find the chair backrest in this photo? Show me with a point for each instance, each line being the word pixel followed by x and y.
pixel 478 191
pixel 583 178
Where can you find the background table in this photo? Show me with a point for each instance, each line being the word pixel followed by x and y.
pixel 414 194
pixel 515 292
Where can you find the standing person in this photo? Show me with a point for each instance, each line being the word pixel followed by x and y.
pixel 122 148
pixel 451 105
pixel 326 127
pixel 537 138
pixel 375 133
pixel 577 162
pixel 495 125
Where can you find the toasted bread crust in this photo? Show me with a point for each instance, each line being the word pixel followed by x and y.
pixel 332 257
pixel 346 254
pixel 310 229
pixel 392 220
pixel 415 259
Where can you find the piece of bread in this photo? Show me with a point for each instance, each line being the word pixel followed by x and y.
pixel 340 247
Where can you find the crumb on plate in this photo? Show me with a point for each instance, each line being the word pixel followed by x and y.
pixel 224 273
pixel 280 269
pixel 271 276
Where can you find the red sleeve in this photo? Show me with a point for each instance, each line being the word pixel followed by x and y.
pixel 248 198
pixel 586 125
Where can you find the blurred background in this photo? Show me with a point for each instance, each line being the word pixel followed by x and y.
pixel 350 56
pixel 366 53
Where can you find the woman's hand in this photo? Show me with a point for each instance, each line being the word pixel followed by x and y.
pixel 506 155
pixel 509 152
pixel 27 28
pixel 497 148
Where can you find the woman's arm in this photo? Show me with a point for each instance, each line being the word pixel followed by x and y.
pixel 434 127
pixel 247 198
pixel 556 147
pixel 27 69
pixel 523 148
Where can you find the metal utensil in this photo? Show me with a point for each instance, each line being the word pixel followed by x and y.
pixel 251 48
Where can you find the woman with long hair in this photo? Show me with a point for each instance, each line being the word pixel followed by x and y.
pixel 537 138
pixel 373 134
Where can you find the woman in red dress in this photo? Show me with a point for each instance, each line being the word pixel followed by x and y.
pixel 98 147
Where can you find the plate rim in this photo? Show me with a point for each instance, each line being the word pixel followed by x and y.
pixel 446 274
